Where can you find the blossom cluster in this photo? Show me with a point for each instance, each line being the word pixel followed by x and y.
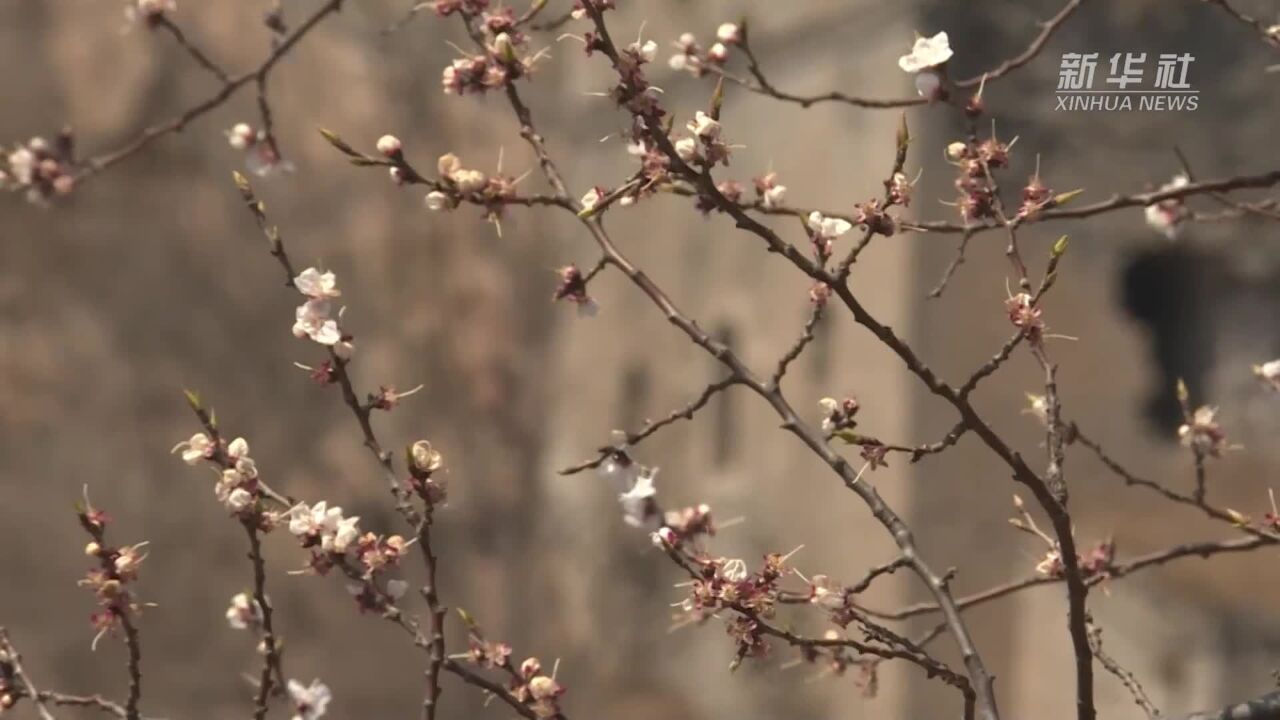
pixel 1026 315
pixel 539 692
pixel 823 231
pixel 112 577
pixel 769 192
pixel 238 486
pixel 316 318
pixel 39 168
pixel 975 161
pixel 691 58
pixel 261 156
pixel 458 183
pixel 506 56
pixel 1097 561
pixel 838 414
pixel 1202 433
pixel 335 540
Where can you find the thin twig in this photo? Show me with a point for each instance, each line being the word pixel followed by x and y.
pixel 1126 677
pixel 101 162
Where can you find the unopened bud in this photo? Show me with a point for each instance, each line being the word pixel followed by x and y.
pixel 1066 197
pixel 665 538
pixel 424 457
pixel 93 549
pixel 390 146
pixel 956 151
pixel 504 49
pixel 448 164
pixel 436 200
pixel 470 181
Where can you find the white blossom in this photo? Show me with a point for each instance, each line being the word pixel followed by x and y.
pixel 244 612
pixel 635 501
pixel 664 538
pixel 926 53
pixel 312 320
pixel 1167 216
pixel 317 285
pixel 647 52
pixel 704 126
pixel 591 199
pixel 1051 565
pixel 316 520
pixel 830 406
pixel 773 197
pixel 309 701
pixel 828 228
pixel 23 164
pixel 728 33
pixel 239 499
pixel 687 149
pixel 734 570
pixel 241 136
pixel 198 448
pixel 342 535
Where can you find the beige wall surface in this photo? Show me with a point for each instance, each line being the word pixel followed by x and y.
pixel 152 278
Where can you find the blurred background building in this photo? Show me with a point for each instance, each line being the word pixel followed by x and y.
pixel 152 278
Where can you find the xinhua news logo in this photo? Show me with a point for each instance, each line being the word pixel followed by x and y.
pixel 1124 84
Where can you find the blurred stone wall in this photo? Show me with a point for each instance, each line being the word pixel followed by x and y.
pixel 152 278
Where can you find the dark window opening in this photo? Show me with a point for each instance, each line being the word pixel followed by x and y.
pixel 1171 291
